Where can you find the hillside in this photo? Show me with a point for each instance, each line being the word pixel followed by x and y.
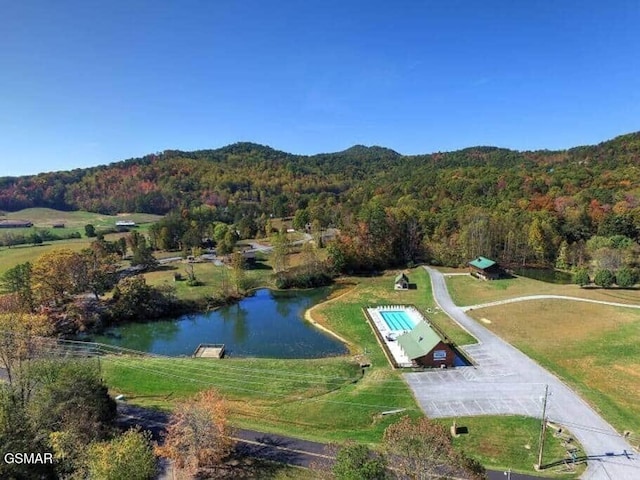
pixel 517 206
pixel 278 182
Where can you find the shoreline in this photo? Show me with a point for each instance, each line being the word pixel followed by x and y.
pixel 308 316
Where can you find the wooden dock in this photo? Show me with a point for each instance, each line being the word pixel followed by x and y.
pixel 209 350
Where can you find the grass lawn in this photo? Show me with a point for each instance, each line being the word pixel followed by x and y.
pixel 10 257
pixel 504 442
pixel 210 275
pixel 592 347
pixel 320 399
pixel 466 290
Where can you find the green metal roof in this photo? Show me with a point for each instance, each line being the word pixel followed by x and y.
pixel 482 263
pixel 419 341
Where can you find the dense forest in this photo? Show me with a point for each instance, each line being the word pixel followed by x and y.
pixel 540 207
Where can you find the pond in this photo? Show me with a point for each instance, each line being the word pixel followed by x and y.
pixel 265 324
pixel 545 275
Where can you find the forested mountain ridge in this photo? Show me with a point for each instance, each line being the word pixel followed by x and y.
pixel 241 172
pixel 515 206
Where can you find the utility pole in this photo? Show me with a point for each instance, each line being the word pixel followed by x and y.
pixel 543 427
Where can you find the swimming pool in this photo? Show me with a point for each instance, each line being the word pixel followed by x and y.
pixel 397 320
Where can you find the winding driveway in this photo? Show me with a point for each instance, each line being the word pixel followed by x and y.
pixel 505 381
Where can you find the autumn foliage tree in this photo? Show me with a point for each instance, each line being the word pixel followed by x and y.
pixel 56 275
pixel 198 435
pixel 422 450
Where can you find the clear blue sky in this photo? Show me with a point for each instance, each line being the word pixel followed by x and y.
pixel 91 82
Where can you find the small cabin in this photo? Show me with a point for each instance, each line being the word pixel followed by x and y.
pixel 485 268
pixel 401 282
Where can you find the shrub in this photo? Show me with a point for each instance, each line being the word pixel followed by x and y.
pixel 604 278
pixel 581 277
pixel 626 277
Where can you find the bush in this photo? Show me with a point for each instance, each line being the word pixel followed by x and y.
pixel 581 277
pixel 356 462
pixel 604 278
pixel 626 277
pixel 298 278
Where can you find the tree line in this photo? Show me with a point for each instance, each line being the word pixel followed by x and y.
pixel 532 208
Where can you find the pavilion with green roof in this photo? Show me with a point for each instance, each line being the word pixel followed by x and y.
pixel 424 346
pixel 485 268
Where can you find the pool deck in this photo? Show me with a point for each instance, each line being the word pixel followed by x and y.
pixel 381 325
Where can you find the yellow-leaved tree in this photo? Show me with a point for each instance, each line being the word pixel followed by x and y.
pixel 198 436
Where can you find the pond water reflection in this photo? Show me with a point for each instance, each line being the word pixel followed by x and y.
pixel 265 324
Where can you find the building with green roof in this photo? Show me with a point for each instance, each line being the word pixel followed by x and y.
pixel 485 268
pixel 424 346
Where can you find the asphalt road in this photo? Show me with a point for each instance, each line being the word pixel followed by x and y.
pixel 610 455
pixel 268 446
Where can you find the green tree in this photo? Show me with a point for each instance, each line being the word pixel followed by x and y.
pixel 357 462
pixel 301 219
pixel 89 230
pixel 604 278
pixel 238 276
pixel 99 268
pixel 581 277
pixel 280 251
pixel 129 456
pixel 17 280
pixel 18 435
pixel 562 260
pixel 626 277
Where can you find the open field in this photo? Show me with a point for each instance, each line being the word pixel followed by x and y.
pixel 466 290
pixel 45 218
pixel 10 257
pixel 594 348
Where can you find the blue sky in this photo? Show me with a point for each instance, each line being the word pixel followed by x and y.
pixel 91 82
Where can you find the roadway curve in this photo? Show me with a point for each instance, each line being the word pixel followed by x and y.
pixel 610 455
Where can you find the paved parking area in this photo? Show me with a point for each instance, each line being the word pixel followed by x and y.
pixel 490 387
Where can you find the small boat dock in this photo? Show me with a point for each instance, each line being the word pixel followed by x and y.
pixel 209 350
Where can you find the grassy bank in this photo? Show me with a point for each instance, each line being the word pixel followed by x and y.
pixel 511 442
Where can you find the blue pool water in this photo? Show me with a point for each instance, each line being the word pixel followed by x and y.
pixel 397 320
